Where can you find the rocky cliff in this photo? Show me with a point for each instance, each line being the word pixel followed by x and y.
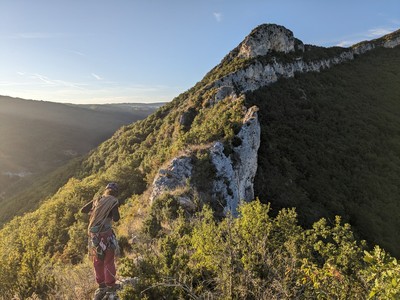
pixel 269 39
pixel 234 173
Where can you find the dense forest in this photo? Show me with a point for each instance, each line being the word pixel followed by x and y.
pixel 329 147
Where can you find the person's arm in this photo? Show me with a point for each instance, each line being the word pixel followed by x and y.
pixel 87 207
pixel 115 213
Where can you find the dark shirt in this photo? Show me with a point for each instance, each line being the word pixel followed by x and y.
pixel 114 213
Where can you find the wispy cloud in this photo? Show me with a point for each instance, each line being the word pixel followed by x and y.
pixel 346 43
pixel 90 94
pixel 55 82
pixel 218 16
pixel 39 86
pixel 369 34
pixel 97 76
pixel 42 78
pixel 378 32
pixel 77 52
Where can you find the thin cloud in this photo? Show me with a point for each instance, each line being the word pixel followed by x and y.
pixel 346 43
pixel 378 32
pixel 56 82
pixel 42 78
pixel 370 34
pixel 97 76
pixel 77 52
pixel 218 16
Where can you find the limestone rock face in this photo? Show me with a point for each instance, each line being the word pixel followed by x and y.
pixel 223 92
pixel 362 48
pixel 266 38
pixel 235 173
pixel 258 75
pixel 174 176
pixel 392 43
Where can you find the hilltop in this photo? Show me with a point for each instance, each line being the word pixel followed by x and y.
pixel 297 126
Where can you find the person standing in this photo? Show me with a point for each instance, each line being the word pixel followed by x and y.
pixel 102 240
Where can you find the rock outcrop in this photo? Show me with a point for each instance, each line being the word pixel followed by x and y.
pixel 235 173
pixel 258 74
pixel 392 42
pixel 267 38
pixel 174 176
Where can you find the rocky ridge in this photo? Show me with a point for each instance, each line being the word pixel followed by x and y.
pixel 269 38
pixel 234 176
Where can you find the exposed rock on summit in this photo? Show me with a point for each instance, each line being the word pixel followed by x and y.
pixel 266 38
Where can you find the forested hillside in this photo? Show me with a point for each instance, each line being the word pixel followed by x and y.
pixel 329 145
pixel 39 136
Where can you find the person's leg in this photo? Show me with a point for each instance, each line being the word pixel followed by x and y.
pixel 99 271
pixel 109 268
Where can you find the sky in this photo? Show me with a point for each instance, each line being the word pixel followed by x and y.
pixel 103 51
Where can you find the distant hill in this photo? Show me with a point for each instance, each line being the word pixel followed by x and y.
pixel 128 108
pixel 38 136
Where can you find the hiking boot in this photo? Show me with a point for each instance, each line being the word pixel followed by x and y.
pixel 114 288
pixel 100 293
pixel 111 293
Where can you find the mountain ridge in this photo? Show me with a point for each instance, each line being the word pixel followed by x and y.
pixel 196 128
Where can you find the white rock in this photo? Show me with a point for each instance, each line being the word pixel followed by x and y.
pixel 258 75
pixel 174 176
pixel 266 38
pixel 235 177
pixel 392 43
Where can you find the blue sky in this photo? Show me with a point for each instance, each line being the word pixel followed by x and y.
pixel 103 51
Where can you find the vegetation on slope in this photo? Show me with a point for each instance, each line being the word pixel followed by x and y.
pixel 57 233
pixel 331 145
pixel 176 255
pixel 256 256
pixel 27 196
